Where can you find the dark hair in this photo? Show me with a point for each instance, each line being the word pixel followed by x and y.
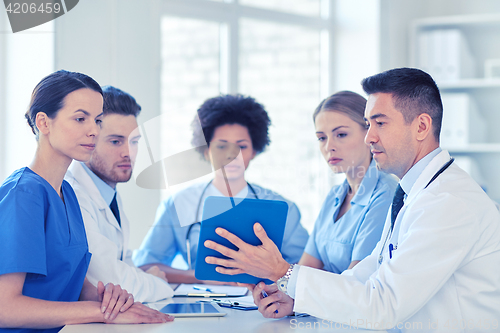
pixel 413 91
pixel 119 102
pixel 48 95
pixel 347 102
pixel 231 109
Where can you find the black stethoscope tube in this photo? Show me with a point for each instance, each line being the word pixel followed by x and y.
pixel 389 233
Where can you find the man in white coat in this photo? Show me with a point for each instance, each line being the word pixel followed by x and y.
pixel 106 225
pixel 436 266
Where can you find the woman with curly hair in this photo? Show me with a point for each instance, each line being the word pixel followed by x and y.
pixel 234 129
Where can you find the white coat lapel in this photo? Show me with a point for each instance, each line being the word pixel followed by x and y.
pixel 85 182
pixel 125 227
pixel 430 170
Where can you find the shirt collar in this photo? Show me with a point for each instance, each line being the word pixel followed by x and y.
pixel 340 192
pixel 365 190
pixel 412 175
pixel 367 186
pixel 107 192
pixel 241 194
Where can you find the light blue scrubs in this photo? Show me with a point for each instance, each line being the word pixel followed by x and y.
pixel 167 238
pixel 355 234
pixel 42 237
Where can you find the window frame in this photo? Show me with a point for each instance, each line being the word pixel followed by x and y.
pixel 229 13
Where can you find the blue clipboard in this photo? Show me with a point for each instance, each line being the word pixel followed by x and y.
pixel 239 220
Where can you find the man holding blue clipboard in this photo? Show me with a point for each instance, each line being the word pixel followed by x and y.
pixel 238 217
pixel 437 262
pixel 229 131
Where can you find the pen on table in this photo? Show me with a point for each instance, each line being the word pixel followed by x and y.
pixel 202 288
pixel 264 294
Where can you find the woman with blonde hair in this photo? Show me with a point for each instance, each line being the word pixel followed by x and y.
pixel 351 220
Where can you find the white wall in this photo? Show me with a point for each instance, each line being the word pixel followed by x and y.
pixel 3 34
pixel 25 57
pixel 118 43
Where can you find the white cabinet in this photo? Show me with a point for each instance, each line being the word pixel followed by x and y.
pixel 462 53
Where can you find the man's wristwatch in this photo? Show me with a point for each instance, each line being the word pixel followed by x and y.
pixel 283 281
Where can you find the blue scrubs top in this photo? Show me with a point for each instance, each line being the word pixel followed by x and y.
pixel 168 236
pixel 355 234
pixel 43 237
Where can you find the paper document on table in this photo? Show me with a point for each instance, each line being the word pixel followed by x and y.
pixel 209 290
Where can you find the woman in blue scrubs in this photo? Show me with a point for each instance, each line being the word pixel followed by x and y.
pixel 42 237
pixel 351 220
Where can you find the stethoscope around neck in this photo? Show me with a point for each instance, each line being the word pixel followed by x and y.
pixel 389 233
pixel 188 243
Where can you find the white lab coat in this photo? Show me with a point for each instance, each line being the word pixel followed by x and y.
pixel 444 274
pixel 108 243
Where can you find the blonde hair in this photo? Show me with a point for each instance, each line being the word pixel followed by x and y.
pixel 347 102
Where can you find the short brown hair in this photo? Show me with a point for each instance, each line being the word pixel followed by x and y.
pixel 119 102
pixel 347 102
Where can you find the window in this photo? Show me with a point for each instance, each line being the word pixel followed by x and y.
pixel 190 52
pixel 280 66
pixel 300 7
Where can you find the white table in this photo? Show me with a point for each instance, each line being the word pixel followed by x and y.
pixel 235 321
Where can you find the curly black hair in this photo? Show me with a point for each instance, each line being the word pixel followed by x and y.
pixel 231 109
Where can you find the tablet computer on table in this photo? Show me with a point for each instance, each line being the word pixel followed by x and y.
pixel 180 310
pixel 238 217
